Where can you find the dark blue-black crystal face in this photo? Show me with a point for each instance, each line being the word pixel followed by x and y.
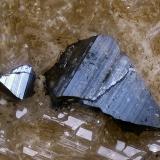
pixel 96 73
pixel 19 81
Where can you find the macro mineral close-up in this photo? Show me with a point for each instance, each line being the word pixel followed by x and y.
pixel 93 97
pixel 19 81
pixel 101 76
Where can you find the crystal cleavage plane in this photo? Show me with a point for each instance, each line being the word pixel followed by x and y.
pixel 97 74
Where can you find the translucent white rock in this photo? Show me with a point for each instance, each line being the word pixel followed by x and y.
pixel 21 113
pixel 84 133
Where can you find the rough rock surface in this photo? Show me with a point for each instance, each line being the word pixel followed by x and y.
pixel 37 32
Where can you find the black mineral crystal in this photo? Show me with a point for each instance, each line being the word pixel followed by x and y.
pixel 97 74
pixel 19 81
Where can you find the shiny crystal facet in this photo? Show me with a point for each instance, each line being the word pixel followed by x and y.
pixel 100 76
pixel 19 81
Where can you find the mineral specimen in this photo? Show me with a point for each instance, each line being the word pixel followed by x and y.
pixel 19 81
pixel 97 74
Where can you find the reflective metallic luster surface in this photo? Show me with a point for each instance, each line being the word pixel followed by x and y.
pixel 19 81
pixel 36 32
pixel 104 78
